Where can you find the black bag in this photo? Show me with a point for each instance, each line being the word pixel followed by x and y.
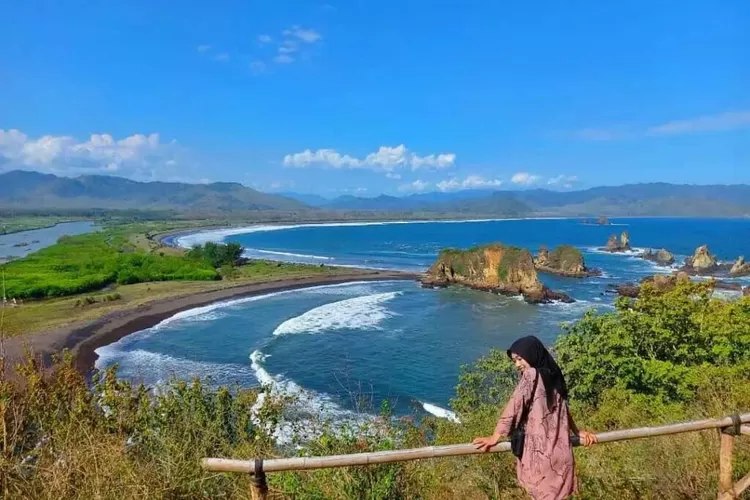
pixel 518 433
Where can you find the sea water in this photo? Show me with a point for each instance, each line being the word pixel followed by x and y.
pixel 340 345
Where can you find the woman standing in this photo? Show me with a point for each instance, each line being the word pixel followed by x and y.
pixel 546 468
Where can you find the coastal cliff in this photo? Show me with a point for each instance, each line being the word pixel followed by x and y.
pixel 564 260
pixel 494 268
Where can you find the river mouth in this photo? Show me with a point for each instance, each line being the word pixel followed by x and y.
pixel 23 243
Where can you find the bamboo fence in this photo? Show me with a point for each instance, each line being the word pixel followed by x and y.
pixel 730 427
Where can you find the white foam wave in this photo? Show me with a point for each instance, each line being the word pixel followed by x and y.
pixel 635 251
pixel 356 313
pixel 209 312
pixel 218 235
pixel 440 412
pixel 306 405
pixel 249 252
pixel 154 369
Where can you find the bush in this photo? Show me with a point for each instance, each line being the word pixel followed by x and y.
pixel 217 254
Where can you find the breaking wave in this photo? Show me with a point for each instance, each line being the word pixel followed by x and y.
pixel 440 412
pixel 155 369
pixel 250 252
pixel 356 313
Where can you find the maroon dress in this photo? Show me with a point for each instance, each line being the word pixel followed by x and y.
pixel 547 468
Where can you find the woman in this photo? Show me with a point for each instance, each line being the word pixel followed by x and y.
pixel 546 467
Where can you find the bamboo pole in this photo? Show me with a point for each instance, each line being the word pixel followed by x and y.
pixel 382 457
pixel 745 430
pixel 739 487
pixel 725 465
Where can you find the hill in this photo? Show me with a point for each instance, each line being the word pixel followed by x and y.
pixel 22 189
pixel 655 199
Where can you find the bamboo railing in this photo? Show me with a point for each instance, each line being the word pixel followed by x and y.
pixel 730 427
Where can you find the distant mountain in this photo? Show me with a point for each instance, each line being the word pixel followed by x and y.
pixel 32 190
pixel 312 200
pixel 655 199
pixel 24 189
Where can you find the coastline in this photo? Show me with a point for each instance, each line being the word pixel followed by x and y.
pixel 82 339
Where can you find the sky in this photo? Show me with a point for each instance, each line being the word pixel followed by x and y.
pixel 363 97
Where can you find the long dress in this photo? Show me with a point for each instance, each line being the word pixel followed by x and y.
pixel 547 468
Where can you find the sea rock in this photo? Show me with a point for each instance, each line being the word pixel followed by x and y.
pixel 665 283
pixel 621 244
pixel 740 267
pixel 494 268
pixel 564 260
pixel 702 261
pixel 661 257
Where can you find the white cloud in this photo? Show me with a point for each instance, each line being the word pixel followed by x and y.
pixel 393 175
pixel 307 36
pixel 265 39
pixel 417 186
pixel 223 57
pixel 524 178
pixel 283 59
pixel 723 121
pixel 730 120
pixel 471 182
pixel 386 158
pixel 203 48
pixel 565 181
pixel 137 156
pixel 321 156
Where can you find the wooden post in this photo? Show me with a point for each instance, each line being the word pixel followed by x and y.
pixel 726 489
pixel 258 484
pixel 258 487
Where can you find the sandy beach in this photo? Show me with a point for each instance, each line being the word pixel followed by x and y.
pixel 82 339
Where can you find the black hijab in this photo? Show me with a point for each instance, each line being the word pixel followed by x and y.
pixel 537 356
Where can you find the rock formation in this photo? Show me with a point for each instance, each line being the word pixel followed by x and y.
pixel 564 260
pixel 746 291
pixel 495 268
pixel 702 261
pixel 740 267
pixel 665 282
pixel 661 257
pixel 618 245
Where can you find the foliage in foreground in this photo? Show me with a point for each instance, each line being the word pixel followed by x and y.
pixel 119 441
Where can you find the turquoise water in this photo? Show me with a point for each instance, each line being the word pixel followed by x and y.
pixel 339 345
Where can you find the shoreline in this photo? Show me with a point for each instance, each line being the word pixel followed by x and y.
pixel 82 339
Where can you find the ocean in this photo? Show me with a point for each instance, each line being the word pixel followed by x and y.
pixel 345 348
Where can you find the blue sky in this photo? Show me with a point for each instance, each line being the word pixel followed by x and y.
pixel 366 97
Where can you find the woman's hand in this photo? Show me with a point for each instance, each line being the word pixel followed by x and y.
pixel 587 438
pixel 485 443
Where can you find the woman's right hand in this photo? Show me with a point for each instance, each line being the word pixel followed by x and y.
pixel 587 438
pixel 485 443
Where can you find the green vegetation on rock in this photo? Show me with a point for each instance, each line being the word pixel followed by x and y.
pixel 565 257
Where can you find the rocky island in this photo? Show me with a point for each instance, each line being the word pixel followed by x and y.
pixel 564 260
pixel 496 268
pixel 601 221
pixel 615 244
pixel 662 257
pixel 666 282
pixel 740 268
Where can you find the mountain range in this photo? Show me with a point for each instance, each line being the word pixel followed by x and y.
pixel 22 189
pixel 33 190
